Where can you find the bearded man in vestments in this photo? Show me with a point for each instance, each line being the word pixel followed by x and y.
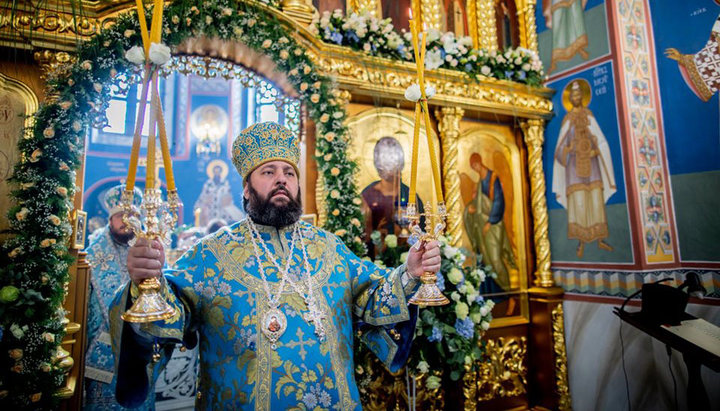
pixel 272 299
pixel 107 255
pixel 583 178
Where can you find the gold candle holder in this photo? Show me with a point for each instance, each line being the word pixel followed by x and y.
pixel 160 219
pixel 428 294
pixel 156 218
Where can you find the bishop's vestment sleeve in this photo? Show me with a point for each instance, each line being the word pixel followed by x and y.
pixel 386 322
pixel 133 343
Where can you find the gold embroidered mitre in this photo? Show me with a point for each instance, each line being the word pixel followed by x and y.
pixel 262 143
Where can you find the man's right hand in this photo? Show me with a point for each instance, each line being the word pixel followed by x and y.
pixel 145 260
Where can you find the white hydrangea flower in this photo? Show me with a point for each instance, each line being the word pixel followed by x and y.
pixel 159 53
pixel 433 59
pixel 412 93
pixel 135 55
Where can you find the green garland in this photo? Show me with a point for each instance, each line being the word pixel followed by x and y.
pixel 36 259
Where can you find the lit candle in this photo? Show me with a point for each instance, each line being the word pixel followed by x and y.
pixel 197 216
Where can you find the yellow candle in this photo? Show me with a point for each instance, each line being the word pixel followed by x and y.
pixel 156 29
pixel 414 157
pixel 150 168
pixel 433 158
pixel 143 27
pixel 421 67
pixel 167 160
pixel 137 136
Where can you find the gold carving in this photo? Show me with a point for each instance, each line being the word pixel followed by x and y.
pixel 320 202
pixel 301 11
pixel 504 372
pixel 361 6
pixel 54 61
pixel 561 372
pixel 50 26
pixel 533 130
pixel 470 389
pixel 526 20
pixel 486 26
pixel 18 103
pixel 431 15
pixel 472 20
pixel 381 77
pixel 449 126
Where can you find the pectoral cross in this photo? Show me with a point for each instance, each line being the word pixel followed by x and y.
pixel 315 316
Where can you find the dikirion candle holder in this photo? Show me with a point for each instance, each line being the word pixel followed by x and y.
pixel 428 294
pixel 156 218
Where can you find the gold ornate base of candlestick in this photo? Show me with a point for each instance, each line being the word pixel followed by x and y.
pixel 150 305
pixel 429 294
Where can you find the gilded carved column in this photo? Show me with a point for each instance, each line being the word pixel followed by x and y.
pixel 360 6
pixel 486 26
pixel 526 23
pixel 561 372
pixel 472 22
pixel 431 14
pixel 449 125
pixel 533 130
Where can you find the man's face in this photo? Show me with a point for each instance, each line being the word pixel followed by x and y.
pixel 118 230
pixel 272 194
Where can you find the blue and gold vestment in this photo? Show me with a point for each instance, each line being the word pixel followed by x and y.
pixel 218 291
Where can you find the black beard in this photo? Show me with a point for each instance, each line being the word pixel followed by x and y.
pixel 121 238
pixel 263 211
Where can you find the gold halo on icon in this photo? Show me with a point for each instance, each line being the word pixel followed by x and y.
pixel 217 163
pixel 584 89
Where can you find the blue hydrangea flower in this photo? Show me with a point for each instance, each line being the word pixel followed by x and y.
pixel 465 328
pixel 468 67
pixel 352 35
pixel 440 281
pixel 437 335
pixel 508 74
pixel 479 299
pixel 521 75
pixel 336 37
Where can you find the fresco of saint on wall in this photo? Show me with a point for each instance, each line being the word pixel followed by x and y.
pixel 571 33
pixel 583 177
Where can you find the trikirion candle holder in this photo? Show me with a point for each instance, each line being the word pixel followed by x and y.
pixel 428 294
pixel 156 218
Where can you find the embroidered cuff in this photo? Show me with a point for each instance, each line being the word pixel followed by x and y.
pixel 409 283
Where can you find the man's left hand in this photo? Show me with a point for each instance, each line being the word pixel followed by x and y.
pixel 426 259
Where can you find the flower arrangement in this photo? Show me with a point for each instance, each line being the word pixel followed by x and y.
pixel 362 32
pixel 34 262
pixel 377 37
pixel 447 337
